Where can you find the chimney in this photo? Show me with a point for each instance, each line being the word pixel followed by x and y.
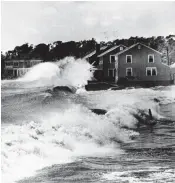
pixel 97 48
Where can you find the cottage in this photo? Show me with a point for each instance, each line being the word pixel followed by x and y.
pixel 17 68
pixel 142 64
pixel 106 70
pixel 136 64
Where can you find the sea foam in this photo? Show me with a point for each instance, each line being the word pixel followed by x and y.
pixel 63 133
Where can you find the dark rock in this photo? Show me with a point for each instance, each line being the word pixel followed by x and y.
pixel 62 88
pixel 145 119
pixel 99 111
pixel 8 143
pixel 156 100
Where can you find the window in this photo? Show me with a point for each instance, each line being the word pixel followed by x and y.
pixel 139 47
pixel 129 71
pixel 121 48
pixel 28 64
pixel 111 72
pixel 150 58
pixel 21 64
pixel 112 58
pixel 33 63
pixel 151 71
pixel 148 71
pixel 101 61
pixel 154 72
pixel 8 63
pixel 16 64
pixel 128 58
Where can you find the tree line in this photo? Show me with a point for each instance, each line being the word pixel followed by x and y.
pixel 58 49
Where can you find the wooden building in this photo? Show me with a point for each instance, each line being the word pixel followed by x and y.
pixel 17 68
pixel 137 64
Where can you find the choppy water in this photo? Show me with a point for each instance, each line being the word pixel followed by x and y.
pixel 55 137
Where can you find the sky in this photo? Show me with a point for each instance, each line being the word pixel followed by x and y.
pixel 46 22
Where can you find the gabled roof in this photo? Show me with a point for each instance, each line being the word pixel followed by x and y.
pixel 109 50
pixel 94 52
pixel 136 45
pixel 90 54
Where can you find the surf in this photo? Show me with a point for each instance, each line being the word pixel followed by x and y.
pixel 58 126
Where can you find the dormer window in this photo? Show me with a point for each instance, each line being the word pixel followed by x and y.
pixel 151 58
pixel 128 58
pixel 121 48
pixel 112 58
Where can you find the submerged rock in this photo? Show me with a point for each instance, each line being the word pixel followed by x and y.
pixel 156 100
pixel 62 88
pixel 99 111
pixel 8 143
pixel 66 89
pixel 145 119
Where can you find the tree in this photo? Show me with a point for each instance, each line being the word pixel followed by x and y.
pixel 166 45
pixel 41 51
pixel 22 51
pixel 2 64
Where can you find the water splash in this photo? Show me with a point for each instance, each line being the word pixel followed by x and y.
pixel 66 72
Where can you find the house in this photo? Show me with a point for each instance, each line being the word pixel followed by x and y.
pixel 142 64
pixel 106 67
pixel 136 64
pixel 17 68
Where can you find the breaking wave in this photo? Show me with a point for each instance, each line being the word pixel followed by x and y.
pixel 66 72
pixel 46 128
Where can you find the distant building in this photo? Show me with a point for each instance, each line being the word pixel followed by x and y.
pixel 17 68
pixel 135 64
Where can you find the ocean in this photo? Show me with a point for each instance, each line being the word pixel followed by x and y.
pixel 53 136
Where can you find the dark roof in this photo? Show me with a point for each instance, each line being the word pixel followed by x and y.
pixel 109 50
pixel 94 52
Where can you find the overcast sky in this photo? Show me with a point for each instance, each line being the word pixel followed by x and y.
pixel 46 22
